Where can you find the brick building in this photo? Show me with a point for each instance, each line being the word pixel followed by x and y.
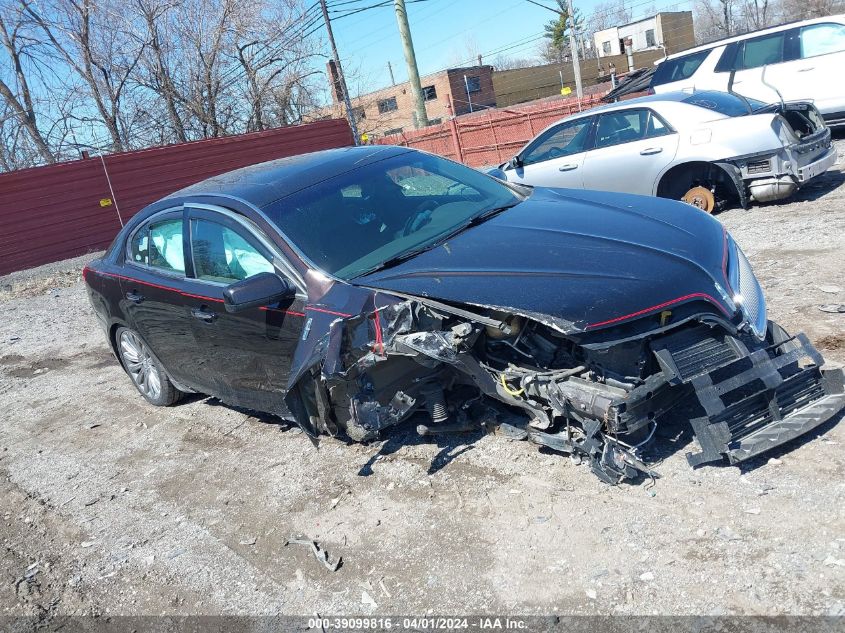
pixel 390 110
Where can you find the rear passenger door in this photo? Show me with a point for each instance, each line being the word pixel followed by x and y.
pixel 631 148
pixel 152 284
pixel 243 358
pixel 555 157
pixel 763 59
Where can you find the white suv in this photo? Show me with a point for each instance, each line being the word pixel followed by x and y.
pixel 801 61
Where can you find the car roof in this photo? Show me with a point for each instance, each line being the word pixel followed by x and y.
pixel 738 38
pixel 264 183
pixel 676 96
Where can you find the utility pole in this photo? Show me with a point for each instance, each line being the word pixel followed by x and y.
pixel 421 119
pixel 390 70
pixel 573 46
pixel 350 115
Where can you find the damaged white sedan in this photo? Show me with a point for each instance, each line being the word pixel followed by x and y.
pixel 359 288
pixel 710 149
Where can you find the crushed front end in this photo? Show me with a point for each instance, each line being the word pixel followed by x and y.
pixel 599 391
pixel 517 376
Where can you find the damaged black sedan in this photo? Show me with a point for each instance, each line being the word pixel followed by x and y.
pixel 352 288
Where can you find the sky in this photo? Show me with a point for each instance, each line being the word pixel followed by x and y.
pixel 445 33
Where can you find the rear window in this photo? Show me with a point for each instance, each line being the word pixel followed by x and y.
pixel 821 39
pixel 722 102
pixel 679 68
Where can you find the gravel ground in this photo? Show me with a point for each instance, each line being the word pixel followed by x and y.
pixel 110 506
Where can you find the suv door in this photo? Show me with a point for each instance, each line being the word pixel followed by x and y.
pixel 761 59
pixel 243 358
pixel 152 285
pixel 631 148
pixel 554 158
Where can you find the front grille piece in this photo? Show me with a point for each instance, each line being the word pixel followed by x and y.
pixel 763 400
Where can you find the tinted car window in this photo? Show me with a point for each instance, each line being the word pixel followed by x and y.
pixel 821 39
pixel 628 125
pixel 677 69
pixel 406 203
pixel 221 254
pixel 563 140
pixel 159 245
pixel 723 103
pixel 761 51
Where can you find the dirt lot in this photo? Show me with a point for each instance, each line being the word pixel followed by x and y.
pixel 110 506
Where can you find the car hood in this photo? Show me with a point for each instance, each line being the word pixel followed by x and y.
pixel 581 259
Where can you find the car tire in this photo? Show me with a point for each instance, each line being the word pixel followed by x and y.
pixel 144 370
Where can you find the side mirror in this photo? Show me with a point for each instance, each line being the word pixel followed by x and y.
pixel 256 291
pixel 515 162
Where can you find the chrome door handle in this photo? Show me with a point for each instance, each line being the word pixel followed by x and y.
pixel 803 70
pixel 567 167
pixel 203 315
pixel 651 150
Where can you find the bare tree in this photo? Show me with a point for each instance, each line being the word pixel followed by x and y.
pixel 806 9
pixel 92 40
pixel 142 72
pixel 715 19
pixel 608 14
pixel 19 111
pixel 502 62
pixel 156 71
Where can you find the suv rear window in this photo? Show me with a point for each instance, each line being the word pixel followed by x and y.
pixel 678 69
pixel 722 102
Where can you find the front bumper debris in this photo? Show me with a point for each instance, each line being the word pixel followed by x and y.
pixel 762 400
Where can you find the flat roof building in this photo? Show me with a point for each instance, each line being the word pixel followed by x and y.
pixel 672 30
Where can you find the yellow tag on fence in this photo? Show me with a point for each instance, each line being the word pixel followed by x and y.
pixel 566 90
pixel 105 202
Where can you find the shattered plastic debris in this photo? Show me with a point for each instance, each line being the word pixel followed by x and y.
pixel 320 554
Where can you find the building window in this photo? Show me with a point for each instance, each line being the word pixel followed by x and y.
pixel 605 48
pixel 395 130
pixel 649 38
pixel 429 93
pixel 473 84
pixel 359 114
pixel 387 105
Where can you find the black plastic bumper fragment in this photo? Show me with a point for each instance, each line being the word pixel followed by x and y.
pixel 763 400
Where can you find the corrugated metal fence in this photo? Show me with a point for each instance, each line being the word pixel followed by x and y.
pixel 491 137
pixel 58 211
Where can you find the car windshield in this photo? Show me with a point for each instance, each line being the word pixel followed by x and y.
pixel 723 103
pixel 364 218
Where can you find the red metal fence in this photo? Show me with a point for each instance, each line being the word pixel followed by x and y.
pixel 493 136
pixel 59 211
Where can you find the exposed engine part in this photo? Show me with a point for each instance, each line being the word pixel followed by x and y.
pixel 513 322
pixel 435 404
